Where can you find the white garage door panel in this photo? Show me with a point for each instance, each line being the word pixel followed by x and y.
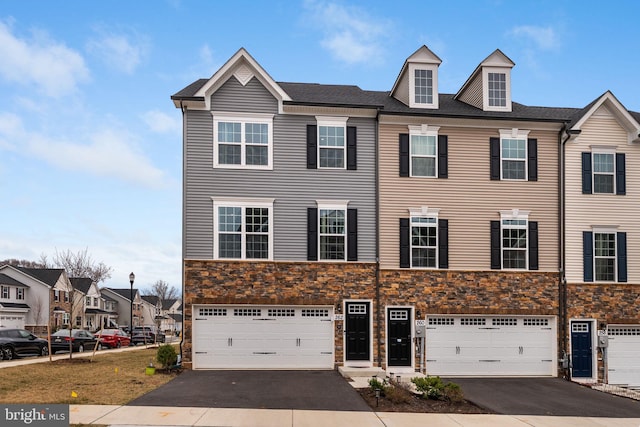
pixel 262 337
pixel 623 351
pixel 10 320
pixel 490 345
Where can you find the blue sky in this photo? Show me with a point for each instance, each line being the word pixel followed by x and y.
pixel 91 144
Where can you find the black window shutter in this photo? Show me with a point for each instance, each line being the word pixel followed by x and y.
pixel 533 245
pixel 312 234
pixel 586 173
pixel 532 154
pixel 622 256
pixel 404 154
pixel 312 147
pixel 587 255
pixel 443 243
pixel 352 234
pixel 496 247
pixel 621 182
pixel 352 162
pixel 494 152
pixel 405 260
pixel 443 156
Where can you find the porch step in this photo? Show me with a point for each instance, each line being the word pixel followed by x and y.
pixel 351 372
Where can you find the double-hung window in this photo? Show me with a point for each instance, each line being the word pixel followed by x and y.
pixel 332 232
pixel 243 141
pixel 605 255
pixel 603 171
pixel 332 142
pixel 243 228
pixel 424 151
pixel 19 293
pixel 424 239
pixel 4 292
pixel 514 156
pixel 514 241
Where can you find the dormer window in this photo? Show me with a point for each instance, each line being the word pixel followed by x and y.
pixel 497 89
pixel 423 86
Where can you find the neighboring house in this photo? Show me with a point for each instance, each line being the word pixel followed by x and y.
pixel 47 295
pixel 601 156
pixel 110 307
pixel 88 305
pixel 171 315
pixel 327 225
pixel 279 221
pixel 123 302
pixel 151 310
pixel 13 306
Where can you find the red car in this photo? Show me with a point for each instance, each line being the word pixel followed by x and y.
pixel 113 338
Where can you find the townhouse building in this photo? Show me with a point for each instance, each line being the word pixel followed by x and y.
pixel 408 229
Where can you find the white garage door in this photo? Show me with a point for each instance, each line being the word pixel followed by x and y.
pixel 264 337
pixel 491 346
pixel 11 320
pixel 623 352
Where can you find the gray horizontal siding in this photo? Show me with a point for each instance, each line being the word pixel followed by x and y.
pixel 253 97
pixel 294 187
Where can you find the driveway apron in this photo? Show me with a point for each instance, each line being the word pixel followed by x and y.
pixel 545 396
pixel 311 390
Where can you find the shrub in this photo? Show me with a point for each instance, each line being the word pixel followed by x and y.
pixel 429 387
pixel 167 355
pixel 376 384
pixel 453 393
pixel 398 394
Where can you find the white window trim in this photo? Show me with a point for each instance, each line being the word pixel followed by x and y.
pixel 602 150
pixel 333 205
pixel 515 134
pixel 423 130
pixel 332 121
pixel 424 212
pixel 514 214
pixel 485 88
pixel 605 230
pixel 242 203
pixel 243 118
pixel 412 85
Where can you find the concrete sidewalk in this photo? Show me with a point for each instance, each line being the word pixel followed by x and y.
pixel 233 417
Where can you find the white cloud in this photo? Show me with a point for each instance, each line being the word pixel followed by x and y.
pixel 119 51
pixel 50 66
pixel 544 38
pixel 349 33
pixel 160 122
pixel 108 153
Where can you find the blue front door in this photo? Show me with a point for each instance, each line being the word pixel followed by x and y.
pixel 581 350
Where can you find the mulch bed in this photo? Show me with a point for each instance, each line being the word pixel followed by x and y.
pixel 416 403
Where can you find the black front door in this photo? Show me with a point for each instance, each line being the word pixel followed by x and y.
pixel 357 330
pixel 399 336
pixel 581 350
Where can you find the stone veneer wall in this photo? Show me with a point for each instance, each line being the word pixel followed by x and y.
pixel 286 283
pixel 469 292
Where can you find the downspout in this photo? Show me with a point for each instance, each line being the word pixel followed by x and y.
pixel 377 238
pixel 563 137
pixel 183 109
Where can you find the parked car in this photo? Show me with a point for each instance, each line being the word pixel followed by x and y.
pixel 113 338
pixel 81 340
pixel 146 335
pixel 20 342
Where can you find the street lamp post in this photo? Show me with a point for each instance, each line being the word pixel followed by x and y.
pixel 132 277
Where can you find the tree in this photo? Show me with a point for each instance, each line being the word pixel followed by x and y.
pixel 163 290
pixel 78 264
pixel 22 263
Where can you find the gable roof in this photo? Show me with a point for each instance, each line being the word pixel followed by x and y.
pixel 168 303
pixel 423 55
pixel 48 276
pixel 6 280
pixel 496 59
pixel 83 284
pixel 151 299
pixel 124 292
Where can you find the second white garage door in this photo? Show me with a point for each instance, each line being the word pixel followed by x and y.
pixel 262 337
pixel 623 352
pixel 491 346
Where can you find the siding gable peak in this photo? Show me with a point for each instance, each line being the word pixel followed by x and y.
pixel 243 67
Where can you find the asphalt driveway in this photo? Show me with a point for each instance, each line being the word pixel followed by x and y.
pixel 545 396
pixel 312 390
